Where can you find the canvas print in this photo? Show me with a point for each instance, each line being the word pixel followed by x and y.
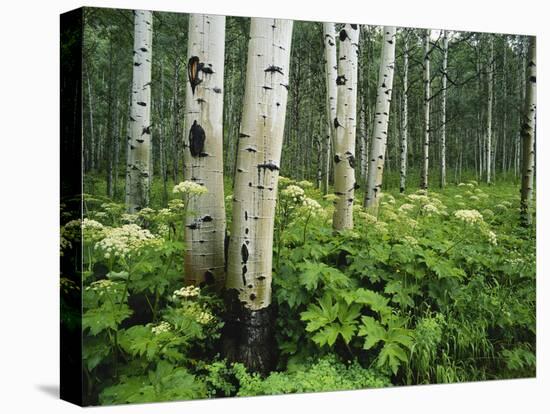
pixel 256 206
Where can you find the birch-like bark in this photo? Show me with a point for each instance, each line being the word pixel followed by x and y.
pixel 203 151
pixel 139 139
pixel 404 117
pixel 427 97
pixel 443 139
pixel 248 330
pixel 381 119
pixel 345 126
pixel 489 132
pixel 329 36
pixel 528 126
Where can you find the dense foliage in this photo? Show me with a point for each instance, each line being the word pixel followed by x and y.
pixel 432 288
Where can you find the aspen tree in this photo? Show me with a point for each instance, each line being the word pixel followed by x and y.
pixel 203 151
pixel 139 139
pixel 528 126
pixel 381 118
pixel 489 133
pixel 248 330
pixel 404 117
pixel 427 97
pixel 443 143
pixel 345 125
pixel 329 37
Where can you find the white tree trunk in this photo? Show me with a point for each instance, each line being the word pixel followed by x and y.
pixel 528 126
pixel 203 151
pixel 443 142
pixel 427 97
pixel 250 251
pixel 329 36
pixel 488 148
pixel 381 118
pixel 139 139
pixel 345 125
pixel 404 118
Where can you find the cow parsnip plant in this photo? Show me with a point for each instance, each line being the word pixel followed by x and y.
pixel 428 288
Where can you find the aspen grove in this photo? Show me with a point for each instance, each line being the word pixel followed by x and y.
pixel 276 206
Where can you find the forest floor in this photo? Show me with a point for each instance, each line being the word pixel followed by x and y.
pixel 432 287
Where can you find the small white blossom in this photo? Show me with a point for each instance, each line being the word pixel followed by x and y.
pixel 187 292
pixel 492 237
pixel 125 241
pixel 469 216
pixel 161 328
pixel 407 207
pixel 189 187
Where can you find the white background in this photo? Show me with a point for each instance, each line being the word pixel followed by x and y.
pixel 29 163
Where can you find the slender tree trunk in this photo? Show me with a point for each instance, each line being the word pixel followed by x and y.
pixel 329 36
pixel 528 127
pixel 91 111
pixel 109 138
pixel 248 333
pixel 139 142
pixel 162 141
pixel 443 143
pixel 489 132
pixel 203 151
pixel 427 97
pixel 345 125
pixel 381 118
pixel 404 118
pixel 175 125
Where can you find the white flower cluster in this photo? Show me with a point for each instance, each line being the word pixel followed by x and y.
pixel 418 198
pixel 189 187
pixel 204 318
pixel 474 198
pixel 176 204
pixel 311 205
pixel 458 196
pixel 284 181
pixel 406 207
pixel 102 286
pixel 369 218
pixel 430 209
pixel 492 237
pixel 305 184
pixel 186 292
pixel 124 241
pixel 91 225
pixel 294 192
pixel 129 218
pixel 161 328
pixel 469 216
pixel 410 240
pixel 487 213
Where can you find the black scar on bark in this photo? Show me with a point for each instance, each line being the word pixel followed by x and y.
pixel 353 26
pixel 192 226
pixel 137 64
pixel 356 186
pixel 337 158
pixel 209 277
pixel 273 68
pixel 341 80
pixel 196 139
pixel 247 335
pixel 336 123
pixel 250 149
pixel 146 130
pixel 207 219
pixel 141 103
pixel 344 35
pixel 246 215
pixel 206 69
pixel 533 79
pixel 268 166
pixel 132 119
pixel 243 135
pixel 217 90
pixel 193 68
pixel 143 49
pixel 338 193
pixel 351 160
